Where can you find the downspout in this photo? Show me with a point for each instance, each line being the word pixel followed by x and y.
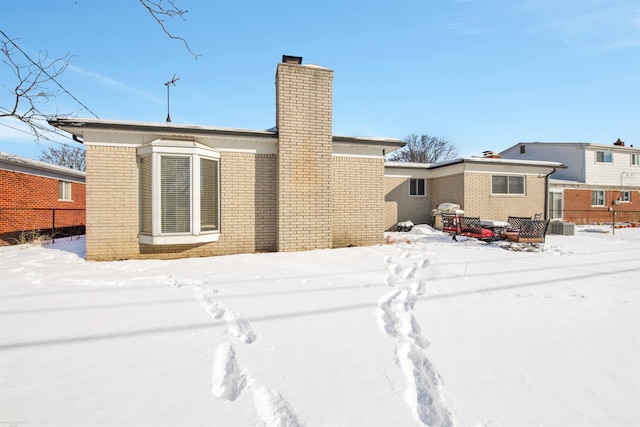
pixel 546 194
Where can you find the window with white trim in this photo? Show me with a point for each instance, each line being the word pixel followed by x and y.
pixel 507 184
pixel 179 193
pixel 604 157
pixel 635 159
pixel 625 196
pixel 64 191
pixel 597 198
pixel 416 187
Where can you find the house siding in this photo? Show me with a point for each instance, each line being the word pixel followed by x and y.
pixel 358 201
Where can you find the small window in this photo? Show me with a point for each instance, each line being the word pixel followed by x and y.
pixel 416 187
pixel 625 196
pixel 64 190
pixel 597 198
pixel 635 159
pixel 503 184
pixel 604 157
pixel 522 149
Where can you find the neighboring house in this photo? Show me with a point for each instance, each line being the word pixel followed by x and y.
pixel 39 199
pixel 599 180
pixel 486 187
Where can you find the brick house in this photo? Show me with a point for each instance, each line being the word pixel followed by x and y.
pixel 485 187
pixel 169 190
pixel 601 183
pixel 165 190
pixel 39 199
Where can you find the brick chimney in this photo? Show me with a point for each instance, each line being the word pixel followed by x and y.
pixel 304 123
pixel 619 142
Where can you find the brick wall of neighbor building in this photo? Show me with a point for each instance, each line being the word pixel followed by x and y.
pixel 478 200
pixel 28 201
pixel 112 203
pixel 358 196
pixel 304 122
pixel 399 206
pixel 578 209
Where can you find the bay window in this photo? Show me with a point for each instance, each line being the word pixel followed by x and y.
pixel 179 193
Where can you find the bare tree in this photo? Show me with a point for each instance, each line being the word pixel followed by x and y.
pixel 425 149
pixel 32 90
pixel 35 79
pixel 70 157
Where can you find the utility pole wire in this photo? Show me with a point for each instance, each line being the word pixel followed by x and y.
pixel 47 74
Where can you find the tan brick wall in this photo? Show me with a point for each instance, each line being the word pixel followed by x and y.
pixel 478 200
pixel 304 115
pixel 447 189
pixel 112 206
pixel 248 210
pixel 358 201
pixel 399 206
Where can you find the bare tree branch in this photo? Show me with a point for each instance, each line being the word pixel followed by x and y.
pixel 159 11
pixel 425 149
pixel 32 90
pixel 70 157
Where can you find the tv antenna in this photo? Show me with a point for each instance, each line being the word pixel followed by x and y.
pixel 167 84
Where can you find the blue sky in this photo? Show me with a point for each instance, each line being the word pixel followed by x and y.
pixel 481 74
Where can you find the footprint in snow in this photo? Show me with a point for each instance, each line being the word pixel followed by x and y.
pixel 227 380
pixel 273 410
pixel 239 327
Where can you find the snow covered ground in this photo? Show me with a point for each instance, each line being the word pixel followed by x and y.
pixel 429 331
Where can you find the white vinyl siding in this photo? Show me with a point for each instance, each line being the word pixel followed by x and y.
pixel 604 157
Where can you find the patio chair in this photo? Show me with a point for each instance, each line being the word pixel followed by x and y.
pixel 530 231
pixel 516 221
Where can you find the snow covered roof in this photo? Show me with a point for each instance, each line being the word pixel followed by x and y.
pixel 16 163
pixel 474 160
pixel 77 126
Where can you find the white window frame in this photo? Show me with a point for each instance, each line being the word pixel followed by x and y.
pixel 416 187
pixel 606 154
pixel 635 159
pixel 194 151
pixel 625 196
pixel 596 196
pixel 508 191
pixel 64 191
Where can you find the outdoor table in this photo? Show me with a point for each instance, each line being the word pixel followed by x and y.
pixel 495 226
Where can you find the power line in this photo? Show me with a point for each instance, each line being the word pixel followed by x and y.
pixel 42 136
pixel 47 74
